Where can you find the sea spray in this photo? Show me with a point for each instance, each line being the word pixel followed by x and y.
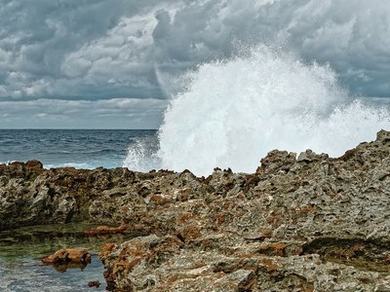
pixel 233 112
pixel 142 154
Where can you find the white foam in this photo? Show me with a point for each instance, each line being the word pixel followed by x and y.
pixel 71 164
pixel 234 112
pixel 142 154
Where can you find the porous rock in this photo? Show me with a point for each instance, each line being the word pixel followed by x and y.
pixel 306 223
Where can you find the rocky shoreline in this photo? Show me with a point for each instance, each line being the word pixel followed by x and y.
pixel 302 222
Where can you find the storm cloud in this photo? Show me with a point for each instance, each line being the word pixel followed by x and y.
pixel 105 49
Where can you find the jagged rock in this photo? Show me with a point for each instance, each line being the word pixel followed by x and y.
pixel 132 256
pixel 311 223
pixel 277 160
pixel 309 156
pixel 383 136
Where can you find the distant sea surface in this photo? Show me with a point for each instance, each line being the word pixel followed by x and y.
pixel 77 148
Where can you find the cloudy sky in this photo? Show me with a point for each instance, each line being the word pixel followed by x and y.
pixel 110 63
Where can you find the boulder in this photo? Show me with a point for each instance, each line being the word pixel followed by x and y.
pixel 78 256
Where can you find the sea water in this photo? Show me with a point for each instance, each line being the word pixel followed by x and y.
pixel 75 148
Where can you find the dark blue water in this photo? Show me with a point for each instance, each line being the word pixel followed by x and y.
pixel 78 148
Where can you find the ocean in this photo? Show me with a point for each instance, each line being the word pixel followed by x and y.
pixel 77 148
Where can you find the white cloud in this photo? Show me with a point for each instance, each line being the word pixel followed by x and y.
pixel 111 48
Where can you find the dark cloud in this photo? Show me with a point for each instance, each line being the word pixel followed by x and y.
pixel 41 39
pixel 98 49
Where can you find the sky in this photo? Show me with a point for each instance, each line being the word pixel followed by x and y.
pixel 115 63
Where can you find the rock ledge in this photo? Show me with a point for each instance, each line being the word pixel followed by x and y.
pixel 303 222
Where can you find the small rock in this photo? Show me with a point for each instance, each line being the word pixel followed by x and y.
pixel 307 156
pixel 94 284
pixel 34 165
pixel 68 256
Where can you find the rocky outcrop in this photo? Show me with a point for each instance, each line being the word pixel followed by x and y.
pixel 303 222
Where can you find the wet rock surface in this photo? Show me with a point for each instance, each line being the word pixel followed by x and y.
pixel 68 258
pixel 302 222
pixel 94 284
pixel 106 230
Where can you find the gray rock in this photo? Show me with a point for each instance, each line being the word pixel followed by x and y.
pixel 311 223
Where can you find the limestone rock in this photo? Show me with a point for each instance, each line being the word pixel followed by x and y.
pixel 311 223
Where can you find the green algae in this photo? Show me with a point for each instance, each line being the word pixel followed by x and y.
pixel 21 251
pixel 38 241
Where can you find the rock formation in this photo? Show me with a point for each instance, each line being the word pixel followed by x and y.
pixel 303 222
pixel 68 257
